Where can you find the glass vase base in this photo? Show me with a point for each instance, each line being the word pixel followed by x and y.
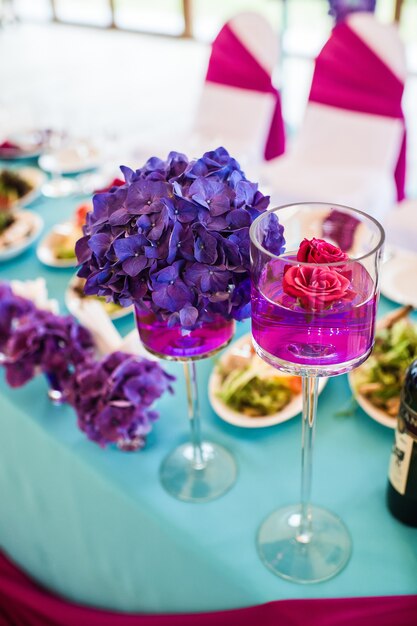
pixel 308 558
pixel 187 480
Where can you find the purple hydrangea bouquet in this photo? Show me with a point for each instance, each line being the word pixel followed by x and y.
pixel 113 398
pixel 174 241
pixel 41 341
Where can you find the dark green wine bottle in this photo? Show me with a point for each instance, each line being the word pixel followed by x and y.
pixel 402 475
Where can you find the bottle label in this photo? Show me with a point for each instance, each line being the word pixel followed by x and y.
pixel 400 461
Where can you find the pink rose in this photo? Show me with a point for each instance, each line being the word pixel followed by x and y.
pixel 316 288
pixel 319 251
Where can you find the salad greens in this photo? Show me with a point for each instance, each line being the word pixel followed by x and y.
pixel 255 389
pixel 12 187
pixel 381 377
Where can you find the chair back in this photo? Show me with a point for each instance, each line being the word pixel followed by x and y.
pixel 354 117
pixel 239 105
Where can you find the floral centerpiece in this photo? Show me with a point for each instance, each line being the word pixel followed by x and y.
pixel 113 399
pixel 174 241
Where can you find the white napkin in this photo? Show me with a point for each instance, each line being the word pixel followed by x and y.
pixel 92 316
pixel 36 291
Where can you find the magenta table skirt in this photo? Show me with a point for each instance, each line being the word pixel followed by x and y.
pixel 24 603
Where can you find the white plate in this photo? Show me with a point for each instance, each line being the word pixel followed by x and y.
pixel 36 178
pixel 376 414
pixel 293 408
pixel 72 159
pixel 398 282
pixel 30 145
pixel 71 296
pixel 45 249
pixel 23 220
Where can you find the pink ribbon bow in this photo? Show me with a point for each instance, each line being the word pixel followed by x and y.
pixel 232 64
pixel 349 75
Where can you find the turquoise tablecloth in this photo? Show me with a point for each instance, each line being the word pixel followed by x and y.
pixel 96 526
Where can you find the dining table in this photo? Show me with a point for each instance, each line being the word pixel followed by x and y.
pixel 95 527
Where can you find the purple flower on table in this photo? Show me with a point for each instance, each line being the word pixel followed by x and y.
pixel 42 341
pixel 145 196
pixel 239 298
pixel 106 204
pixel 100 244
pixel 113 399
pixel 244 192
pixel 215 163
pixel 83 250
pixel 229 255
pixel 176 164
pixel 215 196
pixel 249 197
pixel 96 279
pixel 129 251
pixel 340 9
pixel 169 290
pixel 207 278
pixel 181 243
pixel 238 218
pixel 157 249
pixel 12 307
pixel 154 169
pixel 273 236
pixel 240 238
pixel 143 241
pixel 154 224
pixel 205 245
pixel 183 210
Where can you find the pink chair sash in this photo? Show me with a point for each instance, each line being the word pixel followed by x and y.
pixel 349 75
pixel 24 603
pixel 232 64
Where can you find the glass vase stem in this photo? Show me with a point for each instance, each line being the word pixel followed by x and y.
pixel 194 414
pixel 310 387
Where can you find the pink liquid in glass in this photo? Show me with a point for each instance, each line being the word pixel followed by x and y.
pixel 178 343
pixel 341 335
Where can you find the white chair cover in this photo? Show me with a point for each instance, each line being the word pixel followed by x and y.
pixel 342 155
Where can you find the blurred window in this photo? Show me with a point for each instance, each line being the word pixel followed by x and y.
pixel 156 16
pixel 94 12
pixel 303 24
pixel 38 10
pixel 306 22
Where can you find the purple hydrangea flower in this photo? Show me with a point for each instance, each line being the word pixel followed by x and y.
pixel 42 341
pixel 340 9
pixel 12 307
pixel 174 239
pixel 113 398
pixel 273 236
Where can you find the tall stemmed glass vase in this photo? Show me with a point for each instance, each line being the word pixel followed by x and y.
pixel 313 315
pixel 198 470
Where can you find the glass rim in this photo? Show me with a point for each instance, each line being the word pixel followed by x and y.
pixel 281 257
